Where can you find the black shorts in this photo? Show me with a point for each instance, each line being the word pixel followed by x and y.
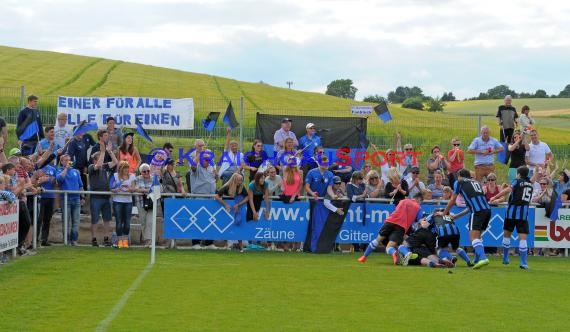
pixel 422 252
pixel 480 220
pixel 391 232
pixel 521 225
pixel 422 238
pixel 445 241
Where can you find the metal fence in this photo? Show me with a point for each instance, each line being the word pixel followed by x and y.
pixel 437 130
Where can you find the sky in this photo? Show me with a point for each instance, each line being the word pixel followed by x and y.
pixel 465 46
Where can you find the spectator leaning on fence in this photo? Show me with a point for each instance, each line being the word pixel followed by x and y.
pixel 70 179
pixel 203 178
pixel 274 182
pixel 143 185
pixel 46 178
pixel 484 148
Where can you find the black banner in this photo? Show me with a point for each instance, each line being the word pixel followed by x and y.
pixel 334 132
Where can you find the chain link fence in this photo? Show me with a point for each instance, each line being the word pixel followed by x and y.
pixel 422 132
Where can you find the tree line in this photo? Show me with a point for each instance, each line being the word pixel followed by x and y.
pixel 413 97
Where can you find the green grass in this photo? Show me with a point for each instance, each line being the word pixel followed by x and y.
pixel 74 289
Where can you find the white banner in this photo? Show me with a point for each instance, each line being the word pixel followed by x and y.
pixel 152 113
pixel 552 234
pixel 8 225
pixel 361 110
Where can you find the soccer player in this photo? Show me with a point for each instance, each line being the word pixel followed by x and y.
pixel 392 232
pixel 477 204
pixel 448 235
pixel 517 214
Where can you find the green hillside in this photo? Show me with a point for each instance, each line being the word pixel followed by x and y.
pixel 48 74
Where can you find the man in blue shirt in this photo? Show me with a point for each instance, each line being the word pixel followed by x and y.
pixel 49 143
pixel 484 148
pixel 46 178
pixel 310 141
pixel 317 183
pixel 70 179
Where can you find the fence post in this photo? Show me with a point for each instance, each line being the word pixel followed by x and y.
pixel 241 111
pixel 64 211
pixel 478 125
pixel 35 219
pixel 22 96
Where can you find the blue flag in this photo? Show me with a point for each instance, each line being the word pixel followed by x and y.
pixel 557 205
pixel 383 112
pixel 142 132
pixel 230 117
pixel 84 127
pixel 30 130
pixel 209 122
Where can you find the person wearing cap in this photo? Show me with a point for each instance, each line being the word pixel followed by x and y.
pixel 129 153
pixel 282 134
pixel 28 146
pixel 311 140
pixel 335 195
pixel 415 184
pixel 62 131
pixel 115 136
pixel 70 179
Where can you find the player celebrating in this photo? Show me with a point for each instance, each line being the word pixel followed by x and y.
pixel 392 232
pixel 448 235
pixel 517 213
pixel 480 212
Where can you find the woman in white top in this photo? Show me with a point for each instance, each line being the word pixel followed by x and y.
pixel 123 183
pixel 525 120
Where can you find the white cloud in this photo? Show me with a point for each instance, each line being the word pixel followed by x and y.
pixel 461 45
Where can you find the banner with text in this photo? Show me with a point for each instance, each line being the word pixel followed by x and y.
pixel 207 219
pixel 8 226
pixel 552 234
pixel 152 113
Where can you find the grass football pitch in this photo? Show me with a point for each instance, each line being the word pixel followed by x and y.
pixel 90 289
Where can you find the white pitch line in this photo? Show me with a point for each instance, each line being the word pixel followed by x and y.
pixel 119 306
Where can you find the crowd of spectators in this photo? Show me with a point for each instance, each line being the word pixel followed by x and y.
pixel 55 158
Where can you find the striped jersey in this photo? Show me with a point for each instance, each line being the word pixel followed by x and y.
pixel 473 194
pixel 519 199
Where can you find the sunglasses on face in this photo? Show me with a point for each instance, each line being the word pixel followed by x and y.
pixel 408 149
pixel 145 171
pixel 456 144
pixel 543 184
pixel 492 179
pixel 373 178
